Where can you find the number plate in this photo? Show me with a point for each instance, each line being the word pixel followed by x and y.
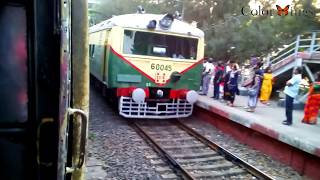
pixel 161 71
pixel 161 67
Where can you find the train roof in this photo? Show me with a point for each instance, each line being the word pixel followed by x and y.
pixel 140 21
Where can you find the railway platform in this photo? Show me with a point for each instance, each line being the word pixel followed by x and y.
pixel 297 145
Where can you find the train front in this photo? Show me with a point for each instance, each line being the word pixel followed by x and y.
pixel 160 70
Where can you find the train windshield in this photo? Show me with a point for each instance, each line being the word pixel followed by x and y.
pixel 159 45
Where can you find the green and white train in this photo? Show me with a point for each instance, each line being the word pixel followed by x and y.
pixel 151 63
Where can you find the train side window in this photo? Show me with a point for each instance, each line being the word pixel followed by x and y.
pixel 13 64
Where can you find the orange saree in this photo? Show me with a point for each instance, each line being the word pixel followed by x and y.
pixel 311 108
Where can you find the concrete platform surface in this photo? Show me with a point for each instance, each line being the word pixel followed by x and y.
pixel 268 120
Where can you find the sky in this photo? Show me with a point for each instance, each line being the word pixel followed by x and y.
pixel 254 4
pixel 283 3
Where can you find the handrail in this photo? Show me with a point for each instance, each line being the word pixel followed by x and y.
pixel 283 58
pixel 302 35
pixel 300 43
pixel 285 48
pixel 304 46
pixel 308 41
pixel 292 49
pixel 301 40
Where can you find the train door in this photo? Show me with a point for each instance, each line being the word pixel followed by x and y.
pixel 44 95
pixel 106 56
pixel 29 70
pixel 15 123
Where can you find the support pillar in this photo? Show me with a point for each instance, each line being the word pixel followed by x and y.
pixel 306 67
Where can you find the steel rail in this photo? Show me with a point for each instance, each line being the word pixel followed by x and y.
pixel 178 167
pixel 228 155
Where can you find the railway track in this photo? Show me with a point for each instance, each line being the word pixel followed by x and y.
pixel 191 155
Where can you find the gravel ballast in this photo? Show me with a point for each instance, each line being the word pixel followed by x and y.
pixel 261 161
pixel 116 151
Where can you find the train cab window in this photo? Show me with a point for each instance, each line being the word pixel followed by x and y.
pixel 13 64
pixel 160 45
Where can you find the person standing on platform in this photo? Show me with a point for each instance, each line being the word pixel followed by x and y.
pixel 291 90
pixel 207 73
pixel 228 67
pixel 217 80
pixel 226 92
pixel 202 75
pixel 266 87
pixel 226 76
pixel 231 88
pixel 258 70
pixel 311 108
pixel 254 89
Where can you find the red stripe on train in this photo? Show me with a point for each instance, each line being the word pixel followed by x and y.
pixel 146 75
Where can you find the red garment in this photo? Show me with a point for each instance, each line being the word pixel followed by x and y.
pixel 311 108
pixel 216 70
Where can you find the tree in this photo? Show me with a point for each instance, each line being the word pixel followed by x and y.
pixel 228 33
pixel 257 35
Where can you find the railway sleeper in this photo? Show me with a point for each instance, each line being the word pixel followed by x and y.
pixel 166 133
pixel 163 169
pixel 219 166
pixel 195 155
pixel 160 127
pixel 174 139
pixel 184 146
pixel 216 174
pixel 158 162
pixel 214 158
pixel 204 171
pixel 186 156
pixel 169 176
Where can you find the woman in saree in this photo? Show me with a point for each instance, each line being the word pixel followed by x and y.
pixel 253 91
pixel 232 85
pixel 266 87
pixel 311 108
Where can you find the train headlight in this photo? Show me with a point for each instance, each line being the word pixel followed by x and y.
pixel 192 96
pixel 166 21
pixel 152 24
pixel 160 93
pixel 138 95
